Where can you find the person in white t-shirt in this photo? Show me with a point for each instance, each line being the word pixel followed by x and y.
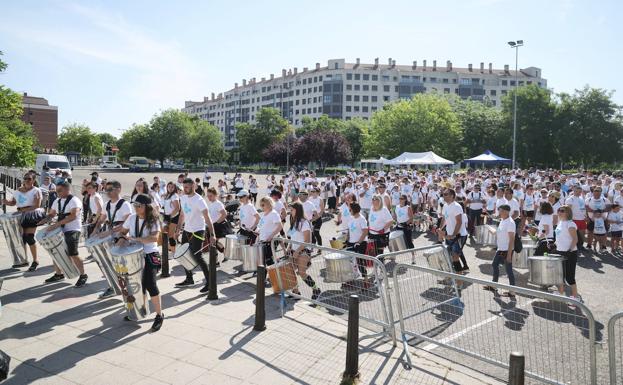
pixel 380 221
pixel 249 217
pixel 505 238
pixel 144 227
pixel 545 229
pixel 268 227
pixel 218 215
pixel 578 207
pixel 194 221
pixel 475 202
pixel 206 179
pixel 96 217
pixel 67 208
pixel 615 219
pixel 358 235
pixel 404 220
pixel 300 231
pixel 566 246
pixel 450 227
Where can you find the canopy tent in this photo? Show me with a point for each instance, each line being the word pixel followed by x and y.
pixel 428 158
pixel 380 160
pixel 487 157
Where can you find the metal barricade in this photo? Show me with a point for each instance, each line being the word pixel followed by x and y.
pixel 335 276
pixel 615 343
pixel 480 328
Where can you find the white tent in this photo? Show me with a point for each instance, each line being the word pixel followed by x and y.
pixel 428 158
pixel 380 160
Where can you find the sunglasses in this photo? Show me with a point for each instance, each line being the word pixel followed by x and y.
pixel 110 190
pixel 561 211
pixel 137 204
pixel 27 178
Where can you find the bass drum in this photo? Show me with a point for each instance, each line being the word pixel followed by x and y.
pixel 13 235
pixel 99 247
pixel 128 262
pixel 54 243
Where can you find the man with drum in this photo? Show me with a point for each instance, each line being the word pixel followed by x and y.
pixel 117 211
pixel 194 219
pixel 67 207
pixel 27 198
pixel 249 217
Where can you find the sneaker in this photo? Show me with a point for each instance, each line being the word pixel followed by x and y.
pixel 33 266
pixel 82 280
pixel 186 282
pixel 205 288
pixel 107 293
pixel 315 294
pixel 55 278
pixel 157 322
pixel 18 265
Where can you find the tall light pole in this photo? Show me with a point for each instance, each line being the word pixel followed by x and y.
pixel 516 45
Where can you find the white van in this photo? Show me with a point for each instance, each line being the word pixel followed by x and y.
pixel 47 164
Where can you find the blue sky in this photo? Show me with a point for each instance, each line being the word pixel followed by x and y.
pixel 113 63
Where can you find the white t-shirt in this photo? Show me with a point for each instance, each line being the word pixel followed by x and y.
pixel 366 200
pixel 316 201
pixel 75 202
pixel 564 242
pixel 578 207
pixel 450 212
pixel 356 226
pixel 298 234
pixel 475 199
pixel 308 209
pixel 278 206
pixel 463 231
pixel 402 214
pixel 378 219
pixel 345 216
pixel 25 199
pixel 93 199
pixel 193 207
pixel 547 219
pixel 268 224
pixel 168 203
pixel 600 226
pixel 119 215
pixel 206 177
pixel 247 216
pixel 616 219
pixel 214 208
pixel 506 226
pixel 130 224
pixel 514 205
pixel 528 202
pixel 491 203
pixel 596 204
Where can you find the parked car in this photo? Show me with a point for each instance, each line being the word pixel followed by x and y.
pixel 109 164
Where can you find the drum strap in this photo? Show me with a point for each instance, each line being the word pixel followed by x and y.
pixel 139 233
pixel 61 212
pixel 117 207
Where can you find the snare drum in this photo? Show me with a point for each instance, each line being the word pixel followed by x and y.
pixel 54 243
pixel 252 255
pixel 99 247
pixel 183 256
pixel 12 230
pixel 282 276
pixel 233 242
pixel 128 262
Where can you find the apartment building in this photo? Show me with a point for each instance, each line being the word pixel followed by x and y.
pixel 43 118
pixel 352 90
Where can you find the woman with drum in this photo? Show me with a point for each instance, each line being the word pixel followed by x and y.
pixel 27 198
pixel 566 246
pixel 217 212
pixel 144 227
pixel 357 235
pixel 268 227
pixel 171 203
pixel 249 218
pixel 404 219
pixel 96 217
pixel 380 221
pixel 300 231
pixel 546 229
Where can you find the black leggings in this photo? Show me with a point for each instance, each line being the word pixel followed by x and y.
pixel 315 236
pixel 408 233
pixel 360 249
pixel 148 278
pixel 569 265
pixel 196 243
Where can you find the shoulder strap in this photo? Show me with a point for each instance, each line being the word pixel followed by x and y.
pixel 139 233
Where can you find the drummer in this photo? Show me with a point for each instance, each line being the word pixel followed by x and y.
pixel 96 209
pixel 67 207
pixel 194 218
pixel 249 218
pixel 300 231
pixel 268 227
pixel 144 227
pixel 217 212
pixel 27 198
pixel 404 219
pixel 171 205
pixel 117 210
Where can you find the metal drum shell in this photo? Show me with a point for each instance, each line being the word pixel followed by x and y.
pixel 99 247
pixel 520 260
pixel 183 256
pixel 490 236
pixel 54 243
pixel 340 268
pixel 252 255
pixel 286 276
pixel 397 241
pixel 129 262
pixel 233 242
pixel 546 270
pixel 12 229
pixel 437 259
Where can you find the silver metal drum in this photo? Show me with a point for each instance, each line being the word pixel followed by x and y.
pixel 183 256
pixel 252 255
pixel 546 270
pixel 13 234
pixel 128 262
pixel 340 268
pixel 438 259
pixel 480 234
pixel 54 243
pixel 233 242
pixel 490 236
pixel 397 241
pixel 520 260
pixel 99 247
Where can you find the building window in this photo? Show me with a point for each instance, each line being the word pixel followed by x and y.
pixel 349 76
pixel 493 92
pixel 304 81
pixel 356 98
pixel 375 88
pixel 296 112
pixel 304 90
pixel 349 98
pixel 465 82
pixel 444 80
pixel 446 90
pixel 348 108
pixel 349 87
pixel 356 108
pixel 433 80
pixel 375 78
pixel 512 83
pixel 327 99
pixel 493 103
pixel 396 88
pixel 309 110
pixel 320 78
pixel 364 98
pixel 373 108
pixel 386 98
pixel 366 77
pixel 315 79
pixel 374 98
pixel 357 76
pixel 386 88
pixel 504 92
pixel 385 78
pixel 357 87
pixel 366 87
pixel 504 82
pixel 521 83
pixel 364 109
pixel 320 88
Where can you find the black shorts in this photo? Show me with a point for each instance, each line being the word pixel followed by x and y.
pixel 616 234
pixel 32 217
pixel 206 185
pixel 72 239
pixel 590 226
pixel 168 219
pixel 528 214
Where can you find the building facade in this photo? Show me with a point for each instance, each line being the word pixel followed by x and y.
pixel 352 90
pixel 43 118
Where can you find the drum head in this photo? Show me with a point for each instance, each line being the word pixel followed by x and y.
pixel 97 239
pixel 41 234
pixel 126 249
pixel 181 250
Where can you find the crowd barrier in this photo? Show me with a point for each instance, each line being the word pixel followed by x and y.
pixel 615 348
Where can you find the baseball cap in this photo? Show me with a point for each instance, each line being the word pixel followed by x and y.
pixel 143 199
pixel 242 193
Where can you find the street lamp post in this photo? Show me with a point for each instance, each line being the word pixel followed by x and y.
pixel 516 45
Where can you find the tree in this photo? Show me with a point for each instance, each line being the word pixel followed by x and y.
pixel 323 123
pixel 10 101
pixel 276 152
pixel 18 142
pixel 355 132
pixel 135 141
pixel 327 148
pixel 107 138
pixel 169 135
pixel 424 123
pixel 205 144
pixel 79 137
pixel 252 139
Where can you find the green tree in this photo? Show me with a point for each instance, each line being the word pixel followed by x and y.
pixel 536 125
pixel 18 142
pixel 355 131
pixel 424 123
pixel 135 141
pixel 10 101
pixel 79 137
pixel 252 139
pixel 206 143
pixel 170 135
pixel 324 123
pixel 107 138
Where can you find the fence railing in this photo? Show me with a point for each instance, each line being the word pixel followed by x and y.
pixel 335 275
pixel 615 348
pixel 558 341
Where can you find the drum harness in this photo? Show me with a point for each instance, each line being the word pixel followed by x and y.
pixel 61 212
